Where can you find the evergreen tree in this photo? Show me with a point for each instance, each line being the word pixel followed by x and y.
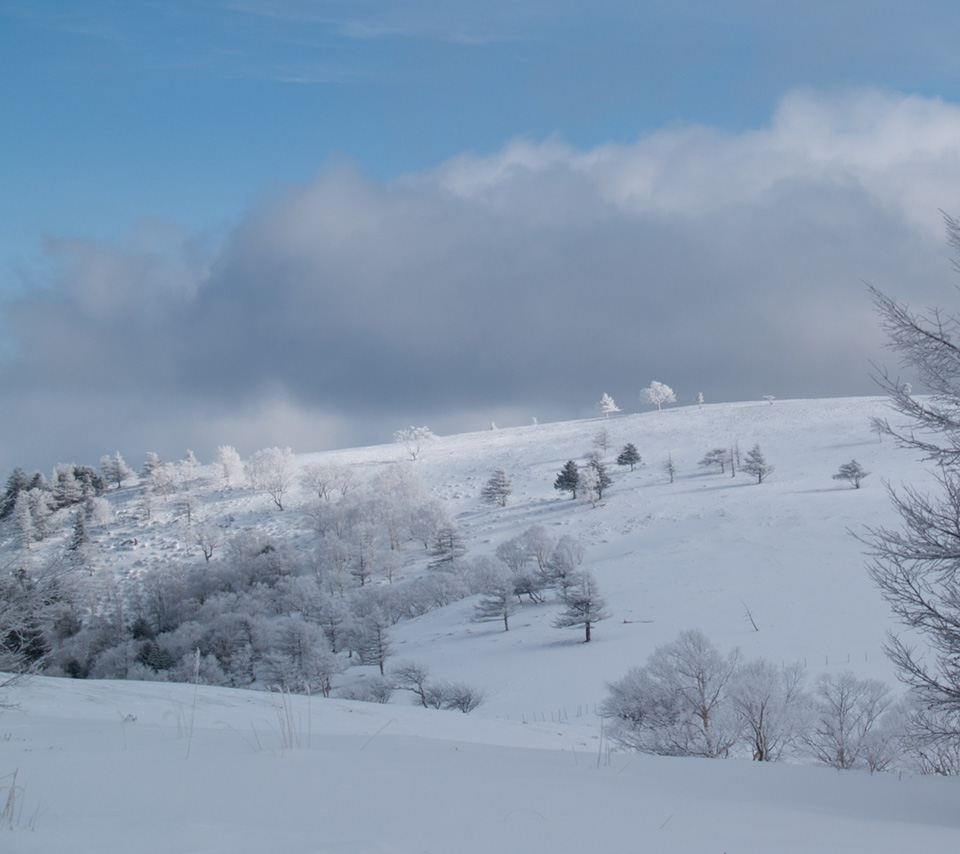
pixel 66 489
pixel 629 456
pixel 114 469
pixel 18 482
pixel 150 465
pixel 607 405
pixel 568 478
pixel 80 536
pixel 23 519
pixel 40 511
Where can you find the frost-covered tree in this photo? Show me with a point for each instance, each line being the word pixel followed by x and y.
pixel 114 469
pixel 325 479
pixel 603 478
pixel 538 544
pixel 773 710
pixel 368 635
pixel 271 470
pixel 594 478
pixel 17 482
pixel 41 511
pixel 497 489
pixel 699 398
pixel 755 464
pixel 207 537
pixel 448 547
pixel 413 439
pixel 228 464
pixel 150 463
pixel 299 658
pixel 629 456
pixel 65 487
pixel 607 405
pixel 847 713
pixel 583 606
pixel 676 704
pixel 852 472
pixel 23 521
pixel 563 563
pixel 658 394
pixel 589 484
pixel 497 601
pixel 568 479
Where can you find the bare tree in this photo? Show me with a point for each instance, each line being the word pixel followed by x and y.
pixel 670 468
pixel 772 708
pixel 916 566
pixel 602 439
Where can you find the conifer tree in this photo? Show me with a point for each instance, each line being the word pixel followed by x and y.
pixel 629 456
pixel 18 482
pixel 607 405
pixel 568 479
pixel 80 536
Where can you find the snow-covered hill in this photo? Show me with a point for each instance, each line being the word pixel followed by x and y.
pixel 771 568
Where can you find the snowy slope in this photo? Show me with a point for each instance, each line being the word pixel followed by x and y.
pixel 695 553
pixel 371 779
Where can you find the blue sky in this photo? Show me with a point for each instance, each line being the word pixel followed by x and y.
pixel 175 136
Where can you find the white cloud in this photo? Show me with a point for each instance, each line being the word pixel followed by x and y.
pixel 528 280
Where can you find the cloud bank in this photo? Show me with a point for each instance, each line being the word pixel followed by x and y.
pixel 522 284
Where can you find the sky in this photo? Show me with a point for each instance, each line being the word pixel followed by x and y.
pixel 311 224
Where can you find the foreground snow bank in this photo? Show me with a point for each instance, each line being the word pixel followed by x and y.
pixel 104 767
